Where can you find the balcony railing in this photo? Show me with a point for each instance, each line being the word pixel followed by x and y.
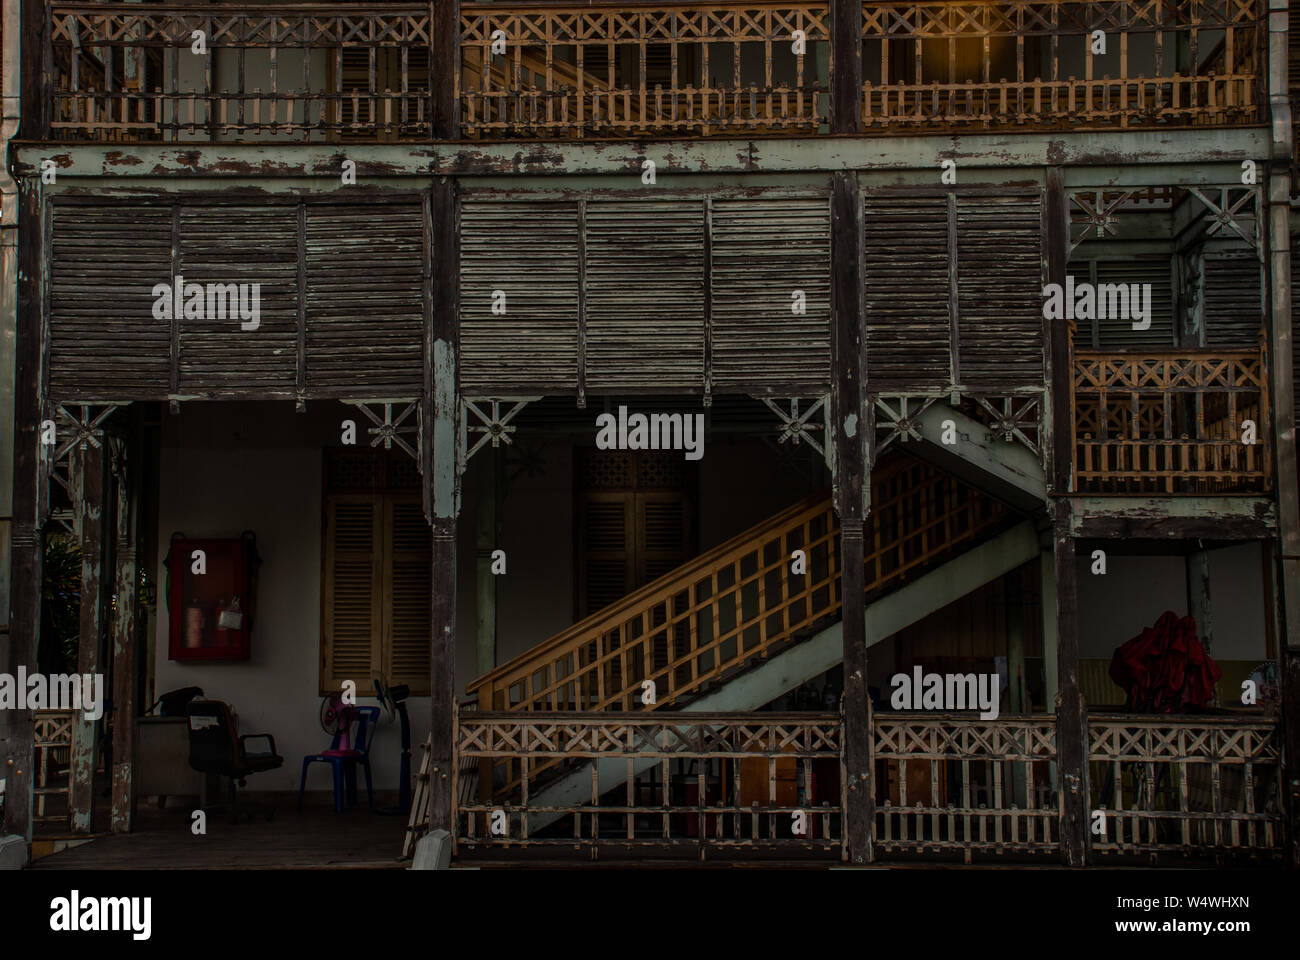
pixel 947 786
pixel 182 72
pixel 1193 422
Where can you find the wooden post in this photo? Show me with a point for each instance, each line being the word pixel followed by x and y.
pixel 1197 564
pixel 18 646
pixel 846 66
pixel 444 68
pixel 86 482
pixel 442 408
pixel 486 525
pixel 126 472
pixel 1071 712
pixel 851 481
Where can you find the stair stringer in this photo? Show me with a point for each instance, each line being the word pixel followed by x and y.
pixel 803 661
pixel 1007 471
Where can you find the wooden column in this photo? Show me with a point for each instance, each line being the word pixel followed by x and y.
pixel 86 485
pixel 486 529
pixel 443 67
pixel 1199 608
pixel 851 481
pixel 442 408
pixel 846 66
pixel 1071 712
pixel 18 646
pixel 126 472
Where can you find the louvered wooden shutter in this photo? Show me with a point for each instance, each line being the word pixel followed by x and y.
pixel 607 536
pixel 1118 334
pixel 1233 306
pixel 408 594
pixel 353 617
pixel 907 291
pixel 252 245
pixel 664 532
pixel 1000 329
pixel 365 270
pixel 645 294
pixel 104 340
pixel 761 252
pixel 530 252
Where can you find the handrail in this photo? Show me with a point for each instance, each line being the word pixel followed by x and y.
pixel 698 624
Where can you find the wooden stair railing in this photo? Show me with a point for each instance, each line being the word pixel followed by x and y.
pixel 696 626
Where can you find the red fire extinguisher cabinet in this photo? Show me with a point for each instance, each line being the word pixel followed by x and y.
pixel 211 597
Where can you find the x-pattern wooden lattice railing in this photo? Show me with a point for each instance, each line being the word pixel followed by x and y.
pixel 696 626
pixel 1187 786
pixel 947 785
pixel 723 780
pixel 125 71
pixel 55 731
pixel 1171 423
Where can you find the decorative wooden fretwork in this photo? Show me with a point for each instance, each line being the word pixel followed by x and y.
pixel 1171 423
pixel 802 426
pixel 1187 785
pixel 1012 419
pixel 52 744
pixel 896 419
pixel 489 421
pixel 607 69
pixel 943 65
pixel 750 772
pixel 120 71
pixel 948 783
pixel 1233 210
pixel 388 430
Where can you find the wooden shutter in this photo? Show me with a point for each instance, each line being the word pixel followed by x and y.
pixel 607 536
pixel 353 619
pixel 645 294
pixel 530 252
pixel 408 595
pixel 1118 334
pixel 1000 331
pixel 365 302
pixel 663 532
pixel 253 245
pixel 1233 309
pixel 907 291
pixel 762 251
pixel 104 340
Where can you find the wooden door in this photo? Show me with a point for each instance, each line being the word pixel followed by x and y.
pixel 635 522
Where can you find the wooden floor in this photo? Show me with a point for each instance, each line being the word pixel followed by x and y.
pixel 317 838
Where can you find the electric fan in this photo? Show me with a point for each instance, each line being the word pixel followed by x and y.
pixel 394 702
pixel 336 719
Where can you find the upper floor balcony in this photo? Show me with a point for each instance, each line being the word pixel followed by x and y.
pixel 195 72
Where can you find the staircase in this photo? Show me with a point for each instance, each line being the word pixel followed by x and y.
pixel 750 619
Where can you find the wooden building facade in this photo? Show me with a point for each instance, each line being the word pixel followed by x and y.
pixel 837 225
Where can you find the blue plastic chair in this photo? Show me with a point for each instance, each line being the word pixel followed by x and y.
pixel 345 762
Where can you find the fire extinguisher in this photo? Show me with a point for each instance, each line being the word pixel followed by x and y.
pixel 193 625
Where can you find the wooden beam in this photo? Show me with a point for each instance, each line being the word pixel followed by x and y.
pixel 444 68
pixel 442 401
pixel 850 425
pixel 128 475
pixel 846 66
pixel 86 482
pixel 18 646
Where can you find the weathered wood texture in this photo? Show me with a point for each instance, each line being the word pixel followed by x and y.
pixel 951 785
pixel 650 70
pixel 922 67
pixel 355 330
pixel 128 469
pixel 1071 709
pixel 728 782
pixel 716 293
pixel 86 471
pixel 953 290
pixel 54 746
pixel 1171 423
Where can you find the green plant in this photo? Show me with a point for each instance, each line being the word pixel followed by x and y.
pixel 60 604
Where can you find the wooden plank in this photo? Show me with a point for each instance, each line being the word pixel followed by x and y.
pixel 86 475
pixel 128 475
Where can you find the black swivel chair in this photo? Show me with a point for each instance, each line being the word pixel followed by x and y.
pixel 214 748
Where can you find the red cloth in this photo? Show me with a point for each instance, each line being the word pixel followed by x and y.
pixel 1165 669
